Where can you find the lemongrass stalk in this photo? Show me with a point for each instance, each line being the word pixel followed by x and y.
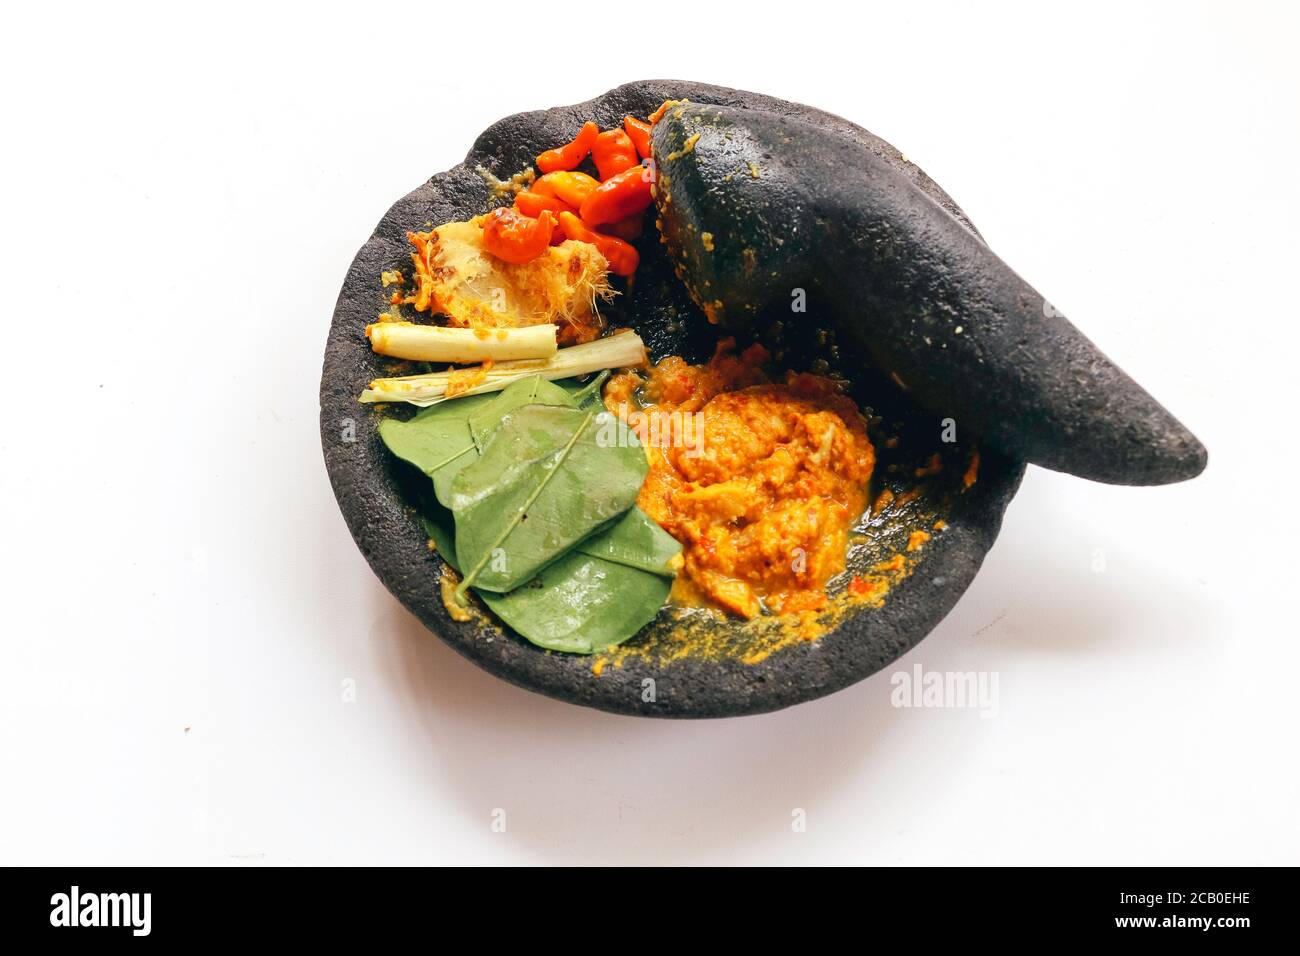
pixel 435 343
pixel 621 350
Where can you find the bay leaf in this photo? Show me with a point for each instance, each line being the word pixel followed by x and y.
pixel 598 594
pixel 484 419
pixel 444 438
pixel 585 394
pixel 583 603
pixel 437 440
pixel 635 541
pixel 548 477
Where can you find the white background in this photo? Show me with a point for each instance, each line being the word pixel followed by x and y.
pixel 182 194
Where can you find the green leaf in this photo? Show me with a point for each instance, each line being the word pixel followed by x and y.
pixel 439 525
pixel 484 419
pixel 596 595
pixel 437 440
pixel 583 603
pixel 635 541
pixel 548 477
pixel 585 394
pixel 443 439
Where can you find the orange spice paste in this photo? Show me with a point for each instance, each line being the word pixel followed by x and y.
pixel 761 489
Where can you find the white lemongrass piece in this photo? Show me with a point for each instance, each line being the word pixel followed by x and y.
pixel 435 343
pixel 621 350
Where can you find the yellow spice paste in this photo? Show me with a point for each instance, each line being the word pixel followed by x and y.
pixel 759 481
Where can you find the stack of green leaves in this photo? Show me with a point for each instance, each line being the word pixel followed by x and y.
pixel 536 491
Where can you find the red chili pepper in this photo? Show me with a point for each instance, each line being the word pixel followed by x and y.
pixel 613 152
pixel 623 259
pixel 570 154
pixel 534 204
pixel 510 235
pixel 618 197
pixel 639 132
pixel 543 186
pixel 571 188
pixel 625 229
pixel 664 107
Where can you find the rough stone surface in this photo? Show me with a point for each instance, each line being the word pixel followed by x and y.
pixel 909 287
pixel 369 483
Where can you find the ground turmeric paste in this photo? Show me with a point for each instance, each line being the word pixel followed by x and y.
pixel 760 482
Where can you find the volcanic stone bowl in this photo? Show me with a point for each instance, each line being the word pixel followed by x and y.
pixel 685 664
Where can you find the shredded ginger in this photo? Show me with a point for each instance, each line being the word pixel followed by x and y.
pixel 457 277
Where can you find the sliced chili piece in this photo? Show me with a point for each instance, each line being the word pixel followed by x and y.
pixel 534 204
pixel 513 237
pixel 639 132
pixel 664 107
pixel 623 259
pixel 572 188
pixel 618 197
pixel 625 229
pixel 570 154
pixel 613 152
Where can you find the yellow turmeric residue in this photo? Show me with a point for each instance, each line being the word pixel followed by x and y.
pixel 759 482
pixel 972 470
pixel 707 634
pixel 506 188
pixel 461 380
pixel 883 501
pixel 447 583
pixel 664 107
pixel 931 467
pixel 686 147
